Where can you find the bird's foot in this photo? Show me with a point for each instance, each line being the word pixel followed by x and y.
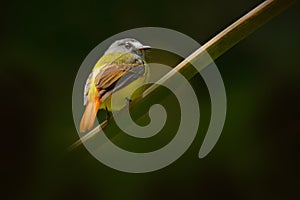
pixel 107 114
pixel 128 100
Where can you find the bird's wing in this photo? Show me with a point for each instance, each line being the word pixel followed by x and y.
pixel 114 77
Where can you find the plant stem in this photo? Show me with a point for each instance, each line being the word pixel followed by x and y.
pixel 216 47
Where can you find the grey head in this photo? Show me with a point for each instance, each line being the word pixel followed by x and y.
pixel 129 45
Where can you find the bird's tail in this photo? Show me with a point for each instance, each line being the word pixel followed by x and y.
pixel 89 115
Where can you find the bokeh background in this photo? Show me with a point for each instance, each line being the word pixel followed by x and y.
pixel 43 43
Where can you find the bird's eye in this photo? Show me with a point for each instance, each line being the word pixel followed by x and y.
pixel 127 45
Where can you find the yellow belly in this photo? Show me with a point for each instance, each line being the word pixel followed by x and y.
pixel 121 97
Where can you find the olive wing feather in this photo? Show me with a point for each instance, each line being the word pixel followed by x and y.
pixel 114 77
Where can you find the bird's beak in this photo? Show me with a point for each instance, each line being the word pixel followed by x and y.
pixel 144 47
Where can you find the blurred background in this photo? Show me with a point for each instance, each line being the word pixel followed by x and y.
pixel 43 44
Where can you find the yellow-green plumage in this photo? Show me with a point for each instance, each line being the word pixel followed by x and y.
pixel 120 59
pixel 117 74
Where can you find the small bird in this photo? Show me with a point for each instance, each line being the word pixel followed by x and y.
pixel 119 71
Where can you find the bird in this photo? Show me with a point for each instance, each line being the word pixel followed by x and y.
pixel 118 72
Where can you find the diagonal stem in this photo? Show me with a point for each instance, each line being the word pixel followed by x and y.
pixel 216 47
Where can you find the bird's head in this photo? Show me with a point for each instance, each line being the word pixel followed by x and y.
pixel 128 45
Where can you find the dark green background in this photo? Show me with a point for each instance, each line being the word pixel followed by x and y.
pixel 42 46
